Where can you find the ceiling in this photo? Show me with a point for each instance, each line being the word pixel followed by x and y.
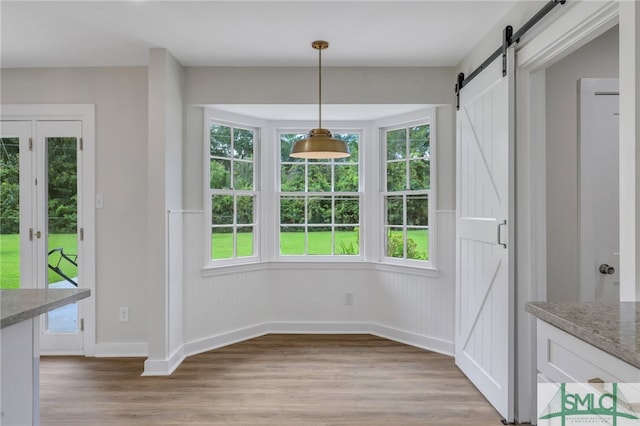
pixel 244 33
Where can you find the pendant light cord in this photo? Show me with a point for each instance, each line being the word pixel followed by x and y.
pixel 320 88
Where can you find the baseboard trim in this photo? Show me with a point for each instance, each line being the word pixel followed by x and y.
pixel 164 367
pixel 414 339
pixel 225 339
pixel 319 328
pixel 406 337
pixel 105 350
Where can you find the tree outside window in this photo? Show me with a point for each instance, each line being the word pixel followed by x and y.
pixel 319 201
pixel 407 190
pixel 232 191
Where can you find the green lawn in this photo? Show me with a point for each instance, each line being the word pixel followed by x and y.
pixel 292 243
pixel 10 258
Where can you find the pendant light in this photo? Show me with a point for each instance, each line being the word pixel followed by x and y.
pixel 320 144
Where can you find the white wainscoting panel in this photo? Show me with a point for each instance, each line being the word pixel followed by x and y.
pixel 293 297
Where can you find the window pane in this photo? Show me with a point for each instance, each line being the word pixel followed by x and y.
pixel 394 242
pixel 244 212
pixel 286 143
pixel 221 243
pixel 352 140
pixel 243 175
pixel 396 144
pixel 292 240
pixel 397 176
pixel 346 178
pixel 292 178
pixel 319 240
pixel 243 144
pixel 417 244
pixel 347 240
pixel 417 210
pixel 319 177
pixel 319 210
pixel 220 137
pixel 347 210
pixel 292 210
pixel 419 141
pixel 419 174
pixel 10 212
pixel 395 210
pixel 244 241
pixel 222 209
pixel 220 174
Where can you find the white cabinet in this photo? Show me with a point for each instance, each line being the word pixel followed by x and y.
pixel 563 358
pixel 20 364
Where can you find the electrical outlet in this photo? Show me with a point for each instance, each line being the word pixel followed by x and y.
pixel 124 314
pixel 348 298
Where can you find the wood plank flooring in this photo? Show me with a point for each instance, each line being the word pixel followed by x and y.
pixel 270 380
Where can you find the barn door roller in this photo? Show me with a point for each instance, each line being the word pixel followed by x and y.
pixel 508 38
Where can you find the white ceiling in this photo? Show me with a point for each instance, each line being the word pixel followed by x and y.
pixel 244 33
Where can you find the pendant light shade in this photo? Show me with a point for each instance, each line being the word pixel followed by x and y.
pixel 319 143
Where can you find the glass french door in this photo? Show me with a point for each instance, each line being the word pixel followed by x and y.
pixel 44 158
pixel 57 200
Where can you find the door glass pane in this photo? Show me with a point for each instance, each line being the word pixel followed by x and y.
pixel 9 213
pixel 62 248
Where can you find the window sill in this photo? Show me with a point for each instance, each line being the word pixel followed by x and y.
pixel 422 271
pixel 427 272
pixel 231 268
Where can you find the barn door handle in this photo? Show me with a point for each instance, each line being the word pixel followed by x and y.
pixel 499 236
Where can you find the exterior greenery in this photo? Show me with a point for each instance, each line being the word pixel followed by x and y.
pixel 9 186
pixel 320 198
pixel 62 209
pixel 231 179
pixel 408 185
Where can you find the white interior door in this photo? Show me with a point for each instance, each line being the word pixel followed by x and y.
pixel 599 190
pixel 484 337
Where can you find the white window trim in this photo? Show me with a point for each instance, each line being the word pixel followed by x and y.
pixel 239 122
pixel 427 116
pixel 371 156
pixel 361 130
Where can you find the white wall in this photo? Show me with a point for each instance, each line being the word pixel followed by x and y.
pixel 298 85
pixel 120 96
pixel 164 217
pixel 599 58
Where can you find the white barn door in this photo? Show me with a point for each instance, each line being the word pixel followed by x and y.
pixel 485 322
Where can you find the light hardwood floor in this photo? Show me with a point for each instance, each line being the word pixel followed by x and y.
pixel 270 380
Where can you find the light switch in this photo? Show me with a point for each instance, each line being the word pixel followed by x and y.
pixel 99 201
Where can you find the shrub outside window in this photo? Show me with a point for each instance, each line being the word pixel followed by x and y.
pixel 319 201
pixel 232 191
pixel 407 166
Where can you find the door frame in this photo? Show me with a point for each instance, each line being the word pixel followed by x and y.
pixel 577 25
pixel 86 114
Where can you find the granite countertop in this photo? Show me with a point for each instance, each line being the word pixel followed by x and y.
pixel 611 327
pixel 22 304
